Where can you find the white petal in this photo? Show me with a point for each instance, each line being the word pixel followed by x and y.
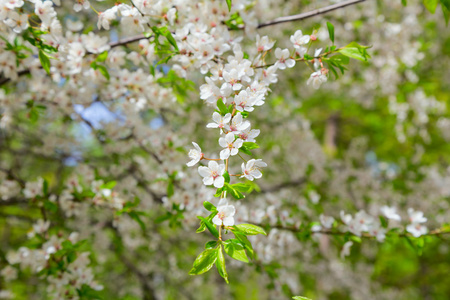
pixel 208 180
pixel 204 171
pixel 228 221
pixel 225 153
pixel 219 182
pixel 217 221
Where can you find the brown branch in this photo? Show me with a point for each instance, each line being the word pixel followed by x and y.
pixel 435 232
pixel 309 14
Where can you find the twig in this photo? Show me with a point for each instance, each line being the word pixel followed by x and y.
pixel 309 14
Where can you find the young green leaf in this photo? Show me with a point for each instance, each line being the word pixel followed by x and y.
pixel 45 61
pixel 331 31
pixel 300 298
pixel 431 5
pixel 204 262
pixel 220 264
pixel 250 229
pixel 235 249
pixel 210 227
pixel 247 245
pixel 233 192
pixel 229 5
pixel 222 108
pixel 356 51
pixel 251 145
pixel 209 206
pixel 211 245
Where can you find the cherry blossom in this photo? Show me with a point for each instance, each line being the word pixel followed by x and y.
pixel 195 155
pixel 284 59
pixel 231 145
pixel 225 214
pixel 213 174
pixel 219 121
pixel 252 169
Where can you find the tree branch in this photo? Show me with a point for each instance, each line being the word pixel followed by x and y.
pixel 435 232
pixel 310 14
pixel 279 20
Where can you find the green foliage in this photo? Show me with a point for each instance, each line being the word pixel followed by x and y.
pixel 356 51
pixel 330 31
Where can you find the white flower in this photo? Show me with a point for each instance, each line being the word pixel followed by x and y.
pixel 225 214
pixel 17 22
pixel 416 216
pixel 213 174
pixel 416 229
pixel 249 134
pixel 105 18
pixel 219 121
pixel 390 213
pixel 346 249
pixel 252 169
pixel 263 44
pixel 45 11
pixel 378 232
pixel 299 40
pixel 80 4
pixel 12 4
pixel 230 144
pixel 317 78
pixel 32 189
pixel 284 59
pixel 326 221
pixel 195 155
pixel 238 124
pixel 244 102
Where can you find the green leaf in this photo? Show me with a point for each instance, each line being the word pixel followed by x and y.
pixel 300 298
pixel 247 245
pixel 242 187
pixel 250 229
pixel 170 188
pixel 202 224
pixel 229 5
pixel 102 56
pixel 45 187
pixel 235 249
pixel 222 108
pixel 431 5
pixel 104 71
pixel 250 145
pixel 227 177
pixel 245 150
pixel 218 192
pixel 235 193
pixel 109 185
pixel 204 262
pixel 446 4
pixel 50 206
pixel 211 227
pixel 220 264
pixel 330 31
pixel 446 13
pixel 45 61
pixel 356 51
pixel 383 222
pixel 135 216
pixel 404 2
pixel 211 245
pixel 71 257
pixel 209 206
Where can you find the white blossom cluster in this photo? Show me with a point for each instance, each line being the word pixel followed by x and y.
pixel 151 149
